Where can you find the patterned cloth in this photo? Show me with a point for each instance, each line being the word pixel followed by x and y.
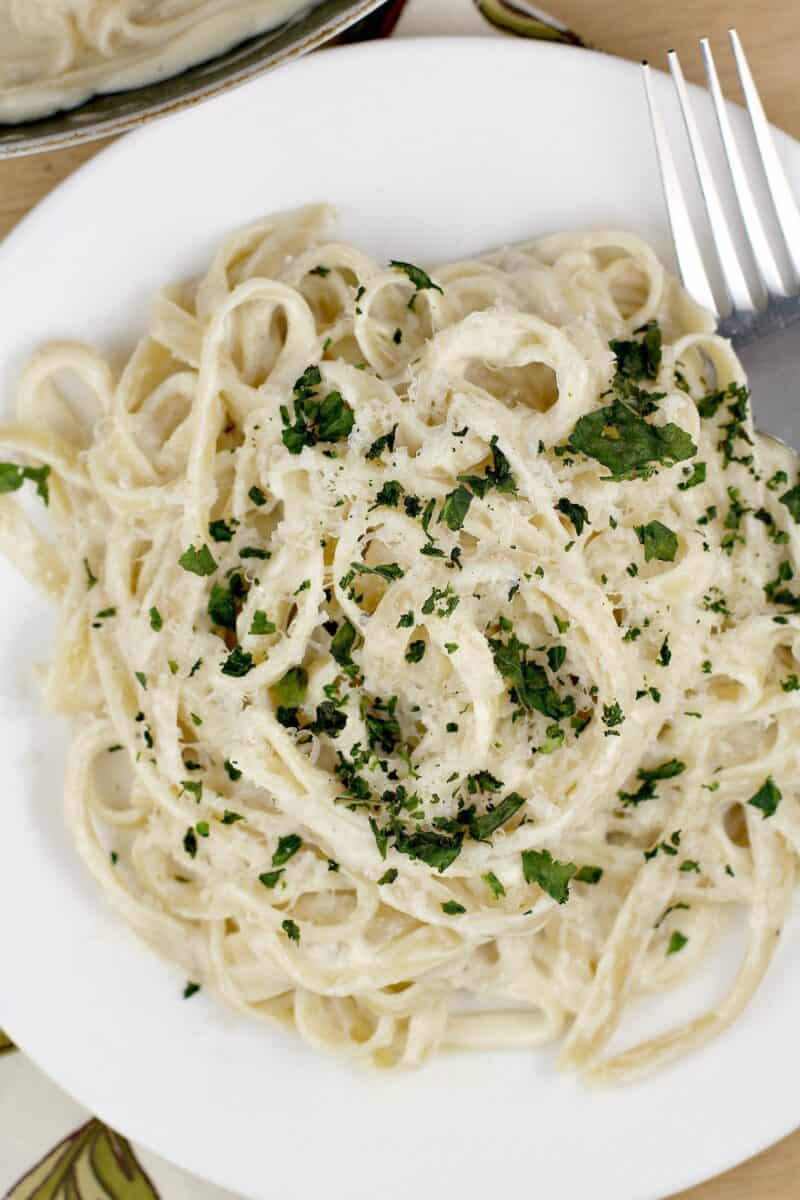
pixel 51 1148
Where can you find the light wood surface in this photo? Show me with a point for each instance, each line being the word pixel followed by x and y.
pixel 635 29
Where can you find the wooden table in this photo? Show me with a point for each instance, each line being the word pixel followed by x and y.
pixel 635 29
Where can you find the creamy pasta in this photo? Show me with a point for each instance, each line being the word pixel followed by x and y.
pixel 55 54
pixel 431 640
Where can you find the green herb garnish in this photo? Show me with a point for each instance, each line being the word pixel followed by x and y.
pixel 767 798
pixel 455 507
pixel 260 625
pixel 238 663
pixel 627 445
pixel 198 562
pixel 676 942
pixel 287 848
pixel 552 876
pixel 658 540
pixel 575 513
pixel 12 477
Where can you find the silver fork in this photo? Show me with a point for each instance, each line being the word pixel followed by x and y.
pixel 763 326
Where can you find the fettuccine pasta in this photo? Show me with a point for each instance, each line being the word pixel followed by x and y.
pixel 430 640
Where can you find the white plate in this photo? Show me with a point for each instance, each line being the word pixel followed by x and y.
pixel 431 149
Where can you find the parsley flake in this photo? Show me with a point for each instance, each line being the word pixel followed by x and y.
pixel 198 562
pixel 658 540
pixel 767 798
pixel 552 876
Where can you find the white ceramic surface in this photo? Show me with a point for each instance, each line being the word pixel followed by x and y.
pixel 431 149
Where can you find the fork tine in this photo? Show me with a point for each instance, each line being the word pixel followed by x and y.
pixel 782 197
pixel 690 260
pixel 759 242
pixel 735 282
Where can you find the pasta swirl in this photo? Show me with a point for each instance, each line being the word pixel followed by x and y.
pixel 428 636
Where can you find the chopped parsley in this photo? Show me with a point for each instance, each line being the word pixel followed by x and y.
pixel 270 879
pixel 415 652
pixel 734 428
pixel 389 495
pixel 665 770
pixel 421 280
pixel 658 540
pixel 791 500
pixel 222 531
pixel 767 798
pixel 497 476
pixel 649 778
pixel 530 686
pixel 612 715
pixel 388 876
pixel 232 771
pixel 453 908
pixel 291 930
pixel 676 942
pixel 638 360
pixel 481 828
pixel 328 420
pixel 442 602
pixel 679 907
pixel 156 620
pixel 693 478
pixel 455 507
pixel 288 845
pixel 226 600
pixel 575 513
pixel 555 657
pixel 190 990
pixel 781 595
pixel 198 562
pixel 238 663
pixel 494 885
pixel 589 875
pixel 436 850
pixel 260 625
pixel 387 571
pixel 342 644
pixel 290 691
pixel 733 520
pixel 552 876
pixel 257 496
pixel 384 442
pixel 12 477
pixel 329 719
pixel 627 445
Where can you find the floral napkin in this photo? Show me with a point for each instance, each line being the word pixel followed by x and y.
pixel 51 1148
